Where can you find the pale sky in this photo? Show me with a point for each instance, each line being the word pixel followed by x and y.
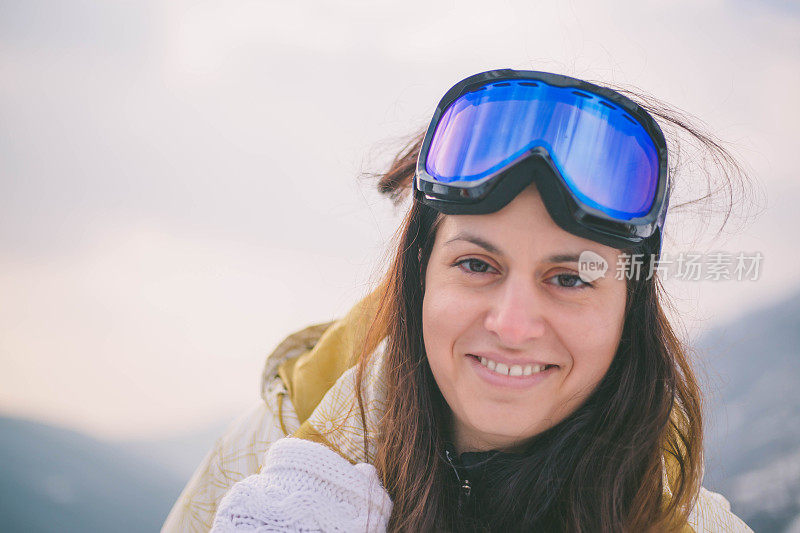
pixel 178 184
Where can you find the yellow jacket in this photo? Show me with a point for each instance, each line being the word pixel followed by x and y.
pixel 308 391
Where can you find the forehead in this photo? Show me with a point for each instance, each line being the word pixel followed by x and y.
pixel 523 227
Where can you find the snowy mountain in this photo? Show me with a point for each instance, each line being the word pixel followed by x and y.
pixel 54 479
pixel 753 437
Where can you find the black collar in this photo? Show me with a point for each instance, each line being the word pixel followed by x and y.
pixel 476 464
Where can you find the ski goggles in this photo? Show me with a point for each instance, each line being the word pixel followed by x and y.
pixel 598 159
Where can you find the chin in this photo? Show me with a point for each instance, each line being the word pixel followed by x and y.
pixel 504 431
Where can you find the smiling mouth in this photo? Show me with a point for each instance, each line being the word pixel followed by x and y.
pixel 511 370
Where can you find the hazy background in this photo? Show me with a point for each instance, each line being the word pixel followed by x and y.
pixel 178 180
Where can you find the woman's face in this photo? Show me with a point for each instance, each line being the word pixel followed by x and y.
pixel 502 294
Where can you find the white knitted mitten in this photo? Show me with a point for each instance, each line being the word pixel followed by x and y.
pixel 305 486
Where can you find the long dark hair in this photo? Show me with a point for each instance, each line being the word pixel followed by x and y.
pixel 601 468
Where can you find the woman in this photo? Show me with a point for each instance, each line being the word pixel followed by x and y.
pixel 494 381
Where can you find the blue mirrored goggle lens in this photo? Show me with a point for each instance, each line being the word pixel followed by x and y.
pixel 606 158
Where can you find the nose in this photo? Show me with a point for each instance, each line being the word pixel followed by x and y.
pixel 516 314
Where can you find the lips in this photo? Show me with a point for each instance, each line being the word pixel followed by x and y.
pixel 512 370
pixel 509 362
pixel 511 377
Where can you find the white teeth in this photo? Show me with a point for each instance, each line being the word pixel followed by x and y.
pixel 513 370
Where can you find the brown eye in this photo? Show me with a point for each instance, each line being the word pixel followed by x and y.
pixel 570 281
pixel 476 266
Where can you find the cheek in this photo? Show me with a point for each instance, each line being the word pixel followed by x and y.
pixel 594 349
pixel 439 321
pixel 447 314
pixel 438 338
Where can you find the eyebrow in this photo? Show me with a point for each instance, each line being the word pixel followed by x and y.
pixel 491 248
pixel 474 239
